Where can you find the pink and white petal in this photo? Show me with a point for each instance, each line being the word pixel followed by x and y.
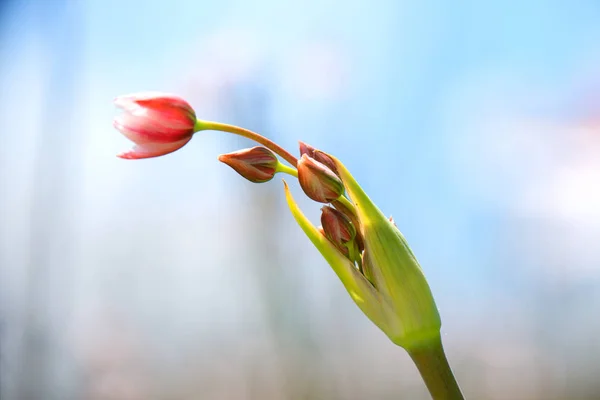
pixel 170 118
pixel 148 128
pixel 124 124
pixel 126 102
pixel 165 100
pixel 152 100
pixel 127 99
pixel 149 150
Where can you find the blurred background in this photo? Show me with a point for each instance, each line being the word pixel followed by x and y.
pixel 476 124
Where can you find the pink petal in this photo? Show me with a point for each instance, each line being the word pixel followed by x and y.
pixel 128 100
pixel 153 100
pixel 168 117
pixel 149 150
pixel 125 102
pixel 151 128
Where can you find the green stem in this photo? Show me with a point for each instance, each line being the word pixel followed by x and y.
pixel 287 170
pixel 432 363
pixel 346 203
pixel 218 126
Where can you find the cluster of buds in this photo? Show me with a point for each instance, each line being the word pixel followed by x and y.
pixel 364 248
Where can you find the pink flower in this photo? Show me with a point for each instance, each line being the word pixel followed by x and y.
pixel 157 123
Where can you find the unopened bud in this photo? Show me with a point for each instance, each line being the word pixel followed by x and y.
pixel 338 228
pixel 351 214
pixel 340 231
pixel 306 149
pixel 257 164
pixel 318 155
pixel 318 181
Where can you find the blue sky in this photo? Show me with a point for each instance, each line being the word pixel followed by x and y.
pixel 439 108
pixel 474 123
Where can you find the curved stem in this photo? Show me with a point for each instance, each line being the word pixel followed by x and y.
pixel 432 363
pixel 218 126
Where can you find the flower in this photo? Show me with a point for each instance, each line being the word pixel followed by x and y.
pixel 157 123
pixel 257 164
pixel 318 155
pixel 350 213
pixel 338 228
pixel 365 249
pixel 318 181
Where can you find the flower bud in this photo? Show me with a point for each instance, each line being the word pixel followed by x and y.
pixel 318 155
pixel 341 232
pixel 351 214
pixel 338 228
pixel 394 271
pixel 306 149
pixel 157 123
pixel 318 181
pixel 257 164
pixel 385 280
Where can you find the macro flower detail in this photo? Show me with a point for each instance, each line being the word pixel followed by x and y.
pixel 257 164
pixel 338 228
pixel 317 155
pixel 348 210
pixel 157 123
pixel 318 182
pixel 340 231
pixel 364 248
pixel 390 287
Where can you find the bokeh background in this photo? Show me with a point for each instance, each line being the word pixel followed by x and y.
pixel 476 124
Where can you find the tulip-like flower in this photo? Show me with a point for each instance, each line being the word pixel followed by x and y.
pixel 257 164
pixel 157 123
pixel 318 181
pixel 364 248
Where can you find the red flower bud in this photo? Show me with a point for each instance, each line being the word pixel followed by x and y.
pixel 157 123
pixel 318 155
pixel 257 164
pixel 306 149
pixel 351 214
pixel 318 181
pixel 338 228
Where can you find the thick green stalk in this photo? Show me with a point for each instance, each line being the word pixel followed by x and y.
pixel 432 363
